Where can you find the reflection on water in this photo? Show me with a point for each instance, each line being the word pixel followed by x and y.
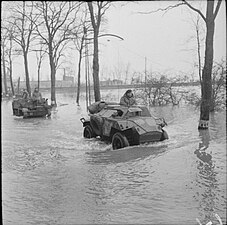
pixel 52 175
pixel 210 193
pixel 206 177
pixel 205 158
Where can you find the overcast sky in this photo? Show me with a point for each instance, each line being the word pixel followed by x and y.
pixel 162 38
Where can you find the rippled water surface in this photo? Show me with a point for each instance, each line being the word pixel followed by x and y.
pixel 52 175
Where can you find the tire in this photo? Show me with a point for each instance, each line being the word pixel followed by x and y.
pixel 96 124
pixel 88 132
pixel 164 135
pixel 119 141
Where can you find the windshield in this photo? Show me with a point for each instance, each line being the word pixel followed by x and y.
pixel 138 111
pixel 125 112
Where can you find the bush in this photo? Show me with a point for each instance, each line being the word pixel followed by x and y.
pixel 218 99
pixel 160 91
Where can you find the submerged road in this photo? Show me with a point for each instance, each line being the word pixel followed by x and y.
pixel 52 175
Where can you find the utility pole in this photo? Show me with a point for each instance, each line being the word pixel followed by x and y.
pixel 64 78
pixel 145 73
pixel 86 71
pixel 146 78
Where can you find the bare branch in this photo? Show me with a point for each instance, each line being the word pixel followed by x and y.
pixel 196 10
pixel 217 8
pixel 90 7
pixel 163 9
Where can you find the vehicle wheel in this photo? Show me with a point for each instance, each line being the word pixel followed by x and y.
pixel 119 141
pixel 96 124
pixel 88 132
pixel 164 135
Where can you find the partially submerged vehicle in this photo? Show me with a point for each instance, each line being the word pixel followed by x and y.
pixel 123 126
pixel 29 108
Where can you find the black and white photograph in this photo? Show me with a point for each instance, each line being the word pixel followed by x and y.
pixel 113 112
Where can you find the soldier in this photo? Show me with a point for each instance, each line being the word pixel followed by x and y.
pixel 36 97
pixel 24 94
pixel 127 99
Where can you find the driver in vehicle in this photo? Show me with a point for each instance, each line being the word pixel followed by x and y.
pixel 128 99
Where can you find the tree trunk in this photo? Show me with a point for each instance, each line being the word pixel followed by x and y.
pixel 11 77
pixel 198 51
pixel 26 72
pixel 79 72
pixel 52 76
pixel 96 68
pixel 78 81
pixel 52 73
pixel 4 72
pixel 18 86
pixel 39 74
pixel 206 87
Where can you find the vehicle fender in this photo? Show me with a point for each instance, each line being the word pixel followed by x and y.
pixel 108 125
pixel 97 124
pixel 86 122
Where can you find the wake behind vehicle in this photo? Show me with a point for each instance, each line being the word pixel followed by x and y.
pixel 29 108
pixel 123 126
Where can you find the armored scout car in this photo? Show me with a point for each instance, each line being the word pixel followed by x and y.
pixel 123 126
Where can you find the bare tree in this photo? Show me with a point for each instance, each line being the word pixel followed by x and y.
pixel 56 20
pixel 96 19
pixel 198 40
pixel 10 60
pixel 206 87
pixel 80 42
pixel 4 45
pixel 8 50
pixel 3 58
pixel 40 54
pixel 22 18
pixel 80 49
pixel 206 84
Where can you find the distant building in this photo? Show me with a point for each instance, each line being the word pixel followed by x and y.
pixel 105 82
pixel 47 84
pixel 117 82
pixel 68 78
pixel 111 82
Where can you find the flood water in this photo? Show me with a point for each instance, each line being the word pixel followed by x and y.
pixel 51 175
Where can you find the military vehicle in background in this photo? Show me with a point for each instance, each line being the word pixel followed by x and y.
pixel 29 108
